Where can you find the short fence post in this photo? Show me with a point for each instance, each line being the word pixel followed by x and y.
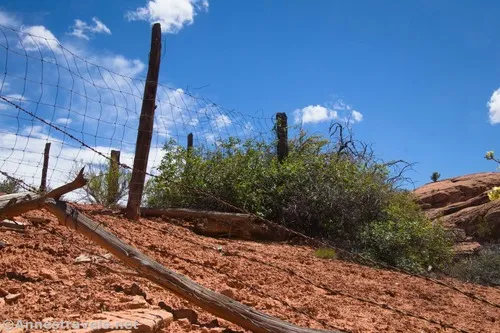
pixel 190 141
pixel 43 184
pixel 113 177
pixel 145 132
pixel 282 132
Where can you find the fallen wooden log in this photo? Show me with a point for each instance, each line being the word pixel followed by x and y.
pixel 214 303
pixel 12 205
pixel 218 224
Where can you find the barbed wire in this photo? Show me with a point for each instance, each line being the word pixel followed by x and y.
pixel 314 240
pixel 82 92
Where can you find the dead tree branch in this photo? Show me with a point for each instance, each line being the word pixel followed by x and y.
pixel 18 203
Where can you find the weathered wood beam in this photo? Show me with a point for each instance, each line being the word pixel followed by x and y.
pixel 214 303
pixel 12 205
pixel 219 224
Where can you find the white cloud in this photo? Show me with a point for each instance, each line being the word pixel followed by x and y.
pixel 357 116
pixel 9 20
pixel 337 110
pixel 221 121
pixel 37 38
pixel 120 64
pixel 14 98
pixel 314 114
pixel 63 121
pixel 173 15
pixel 494 107
pixel 20 158
pixel 83 30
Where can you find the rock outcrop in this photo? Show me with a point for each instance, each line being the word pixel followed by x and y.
pixel 462 205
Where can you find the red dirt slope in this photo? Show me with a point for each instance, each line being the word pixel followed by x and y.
pixel 39 264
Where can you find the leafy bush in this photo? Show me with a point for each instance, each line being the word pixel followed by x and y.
pixel 325 253
pixel 100 188
pixel 9 186
pixel 406 238
pixel 483 268
pixel 435 176
pixel 321 189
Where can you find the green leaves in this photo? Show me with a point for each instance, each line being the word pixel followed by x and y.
pixel 315 190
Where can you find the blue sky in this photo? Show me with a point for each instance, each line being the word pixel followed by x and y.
pixel 419 75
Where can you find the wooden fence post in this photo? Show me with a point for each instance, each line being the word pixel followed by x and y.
pixel 190 141
pixel 43 184
pixel 113 177
pixel 145 132
pixel 282 132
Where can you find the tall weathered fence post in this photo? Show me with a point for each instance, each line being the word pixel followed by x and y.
pixel 145 132
pixel 113 177
pixel 282 132
pixel 43 184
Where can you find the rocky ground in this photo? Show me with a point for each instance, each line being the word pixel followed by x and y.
pixel 51 273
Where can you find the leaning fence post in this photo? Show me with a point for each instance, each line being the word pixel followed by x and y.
pixel 43 184
pixel 282 132
pixel 145 132
pixel 113 177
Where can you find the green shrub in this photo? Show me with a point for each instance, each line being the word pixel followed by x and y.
pixel 483 268
pixel 9 186
pixel 100 188
pixel 435 176
pixel 325 253
pixel 406 238
pixel 314 191
pixel 319 189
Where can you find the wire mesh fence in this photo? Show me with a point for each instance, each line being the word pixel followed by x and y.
pixel 85 108
pixel 88 108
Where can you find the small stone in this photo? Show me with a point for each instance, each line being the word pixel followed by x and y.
pixel 11 298
pixel 188 314
pixel 49 274
pixel 2 245
pixel 82 258
pixel 2 303
pixel 14 290
pixel 184 323
pixel 216 330
pixel 137 302
pixel 135 289
pixel 228 292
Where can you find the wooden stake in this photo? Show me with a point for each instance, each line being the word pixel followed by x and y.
pixel 282 133
pixel 43 185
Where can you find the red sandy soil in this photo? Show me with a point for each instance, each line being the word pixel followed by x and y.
pixel 39 264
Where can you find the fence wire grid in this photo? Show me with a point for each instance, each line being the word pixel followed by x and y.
pixel 51 94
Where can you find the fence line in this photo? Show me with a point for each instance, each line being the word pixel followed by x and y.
pixel 82 92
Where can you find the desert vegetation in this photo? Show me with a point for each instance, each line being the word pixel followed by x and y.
pixel 331 188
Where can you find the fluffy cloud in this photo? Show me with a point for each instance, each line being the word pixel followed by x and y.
pixel 173 15
pixel 314 114
pixel 37 38
pixel 221 121
pixel 494 107
pixel 338 110
pixel 83 30
pixel 356 116
pixel 23 161
pixel 9 20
